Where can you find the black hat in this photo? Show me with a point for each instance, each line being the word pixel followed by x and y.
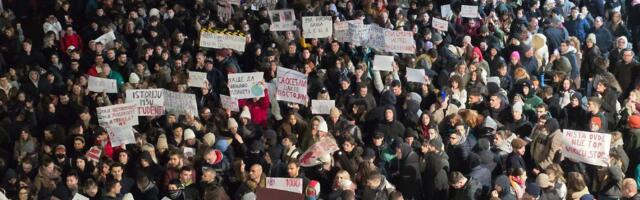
pixel 369 154
pixel 378 135
pixel 437 143
pixel 395 83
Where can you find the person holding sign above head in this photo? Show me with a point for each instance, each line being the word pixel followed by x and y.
pixel 258 107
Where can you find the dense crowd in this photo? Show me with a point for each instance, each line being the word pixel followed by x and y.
pixel 487 124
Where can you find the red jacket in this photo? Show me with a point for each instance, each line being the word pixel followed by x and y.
pixel 68 40
pixel 259 110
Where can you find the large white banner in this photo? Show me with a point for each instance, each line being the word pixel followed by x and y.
pixel 282 20
pixel 246 85
pixel 97 84
pixel 341 31
pixel 292 86
pixel 117 115
pixel 197 79
pixel 150 102
pixel 317 27
pixel 399 42
pixel 180 103
pixel 587 147
pixel 286 184
pixel 359 34
pixel 376 37
pixel 221 41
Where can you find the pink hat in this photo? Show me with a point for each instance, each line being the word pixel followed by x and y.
pixel 515 54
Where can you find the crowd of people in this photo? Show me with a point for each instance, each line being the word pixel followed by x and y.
pixel 488 122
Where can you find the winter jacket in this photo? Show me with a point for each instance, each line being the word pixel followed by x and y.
pixel 382 192
pixel 435 179
pixel 544 148
pixel 470 191
pixel 409 180
pixel 577 27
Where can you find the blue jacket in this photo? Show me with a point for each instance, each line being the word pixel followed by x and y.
pixel 577 27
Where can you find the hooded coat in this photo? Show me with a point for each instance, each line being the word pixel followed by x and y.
pixel 382 192
pixel 574 118
pixel 391 129
pixel 435 179
pixel 470 191
pixel 409 179
pixel 507 193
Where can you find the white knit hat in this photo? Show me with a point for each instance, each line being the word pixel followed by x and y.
pixel 134 78
pixel 323 126
pixel 245 113
pixel 232 123
pixel 189 134
pixel 209 139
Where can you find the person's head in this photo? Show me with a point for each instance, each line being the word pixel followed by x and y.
pixel 90 188
pixel 208 175
pixel 495 101
pixel 627 55
pixel 186 174
pixel 374 180
pixel 457 180
pixel 117 170
pixel 593 105
pixel 389 114
pixel 519 146
pixel 175 159
pixel 629 188
pixel 349 144
pixel 71 180
pixel 255 172
pixel 455 138
pixel 574 12
pixel 293 169
pixel 555 173
pixel 542 110
pixel 289 141
pixel 112 187
pixel 575 181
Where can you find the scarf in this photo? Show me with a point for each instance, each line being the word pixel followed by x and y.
pixel 175 194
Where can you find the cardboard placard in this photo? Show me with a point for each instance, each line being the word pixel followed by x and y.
pixel 246 85
pixel 587 147
pixel 317 26
pixel 292 86
pixel 150 102
pixel 97 84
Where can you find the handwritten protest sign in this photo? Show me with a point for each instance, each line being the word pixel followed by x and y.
pixel 197 79
pixel 383 63
pixel 282 20
pixel 322 107
pixel 246 85
pixel 440 24
pixel 286 184
pixel 399 42
pixel 325 146
pixel 118 115
pixel 445 11
pixel 376 37
pixel 149 102
pixel 469 11
pixel 220 40
pixel 341 30
pixel 415 75
pixel 180 103
pixel 94 154
pixel 257 4
pixel 97 84
pixel 317 27
pixel 587 147
pixel 121 135
pixel 359 34
pixel 229 103
pixel 292 86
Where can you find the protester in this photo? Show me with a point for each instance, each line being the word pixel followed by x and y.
pixel 190 99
